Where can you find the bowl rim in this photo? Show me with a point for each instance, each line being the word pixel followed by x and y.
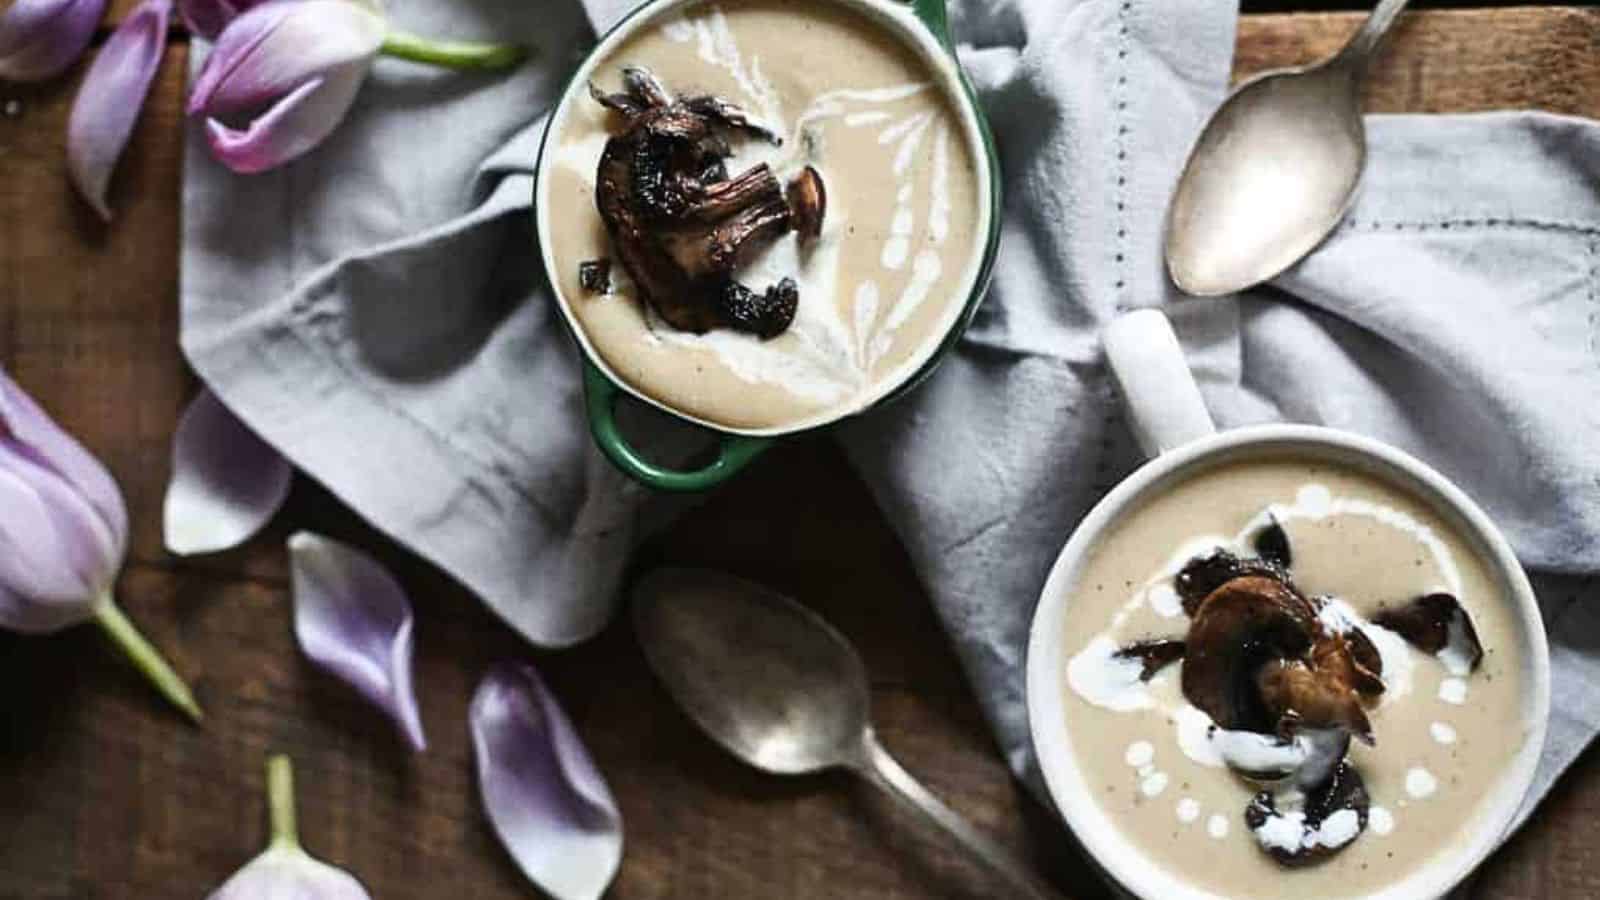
pixel 899 17
pixel 1047 655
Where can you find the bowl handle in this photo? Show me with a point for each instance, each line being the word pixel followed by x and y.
pixel 933 14
pixel 1164 404
pixel 734 451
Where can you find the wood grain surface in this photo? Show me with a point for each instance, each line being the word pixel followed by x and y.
pixel 106 794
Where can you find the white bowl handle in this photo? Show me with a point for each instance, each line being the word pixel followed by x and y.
pixel 1163 402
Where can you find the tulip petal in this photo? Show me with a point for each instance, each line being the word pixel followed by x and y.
pixel 227 483
pixel 292 127
pixel 545 798
pixel 39 39
pixel 208 18
pixel 38 594
pixel 276 48
pixel 113 93
pixel 354 620
pixel 23 423
pixel 53 546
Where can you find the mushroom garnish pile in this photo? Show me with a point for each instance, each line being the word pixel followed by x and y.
pixel 680 225
pixel 1286 680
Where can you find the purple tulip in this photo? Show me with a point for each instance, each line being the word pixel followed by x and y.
pixel 299 63
pixel 284 871
pixel 39 39
pixel 283 74
pixel 108 103
pixel 63 534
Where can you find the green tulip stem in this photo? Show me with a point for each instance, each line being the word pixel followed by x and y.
pixel 280 802
pixel 452 54
pixel 145 658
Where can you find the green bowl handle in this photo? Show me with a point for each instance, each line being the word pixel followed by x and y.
pixel 601 395
pixel 933 14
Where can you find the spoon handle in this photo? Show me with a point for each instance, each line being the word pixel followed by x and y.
pixel 878 767
pixel 1366 41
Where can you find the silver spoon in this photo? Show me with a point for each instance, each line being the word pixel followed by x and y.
pixel 1274 170
pixel 776 686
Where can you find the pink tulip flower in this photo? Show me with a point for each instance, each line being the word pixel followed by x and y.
pixel 284 74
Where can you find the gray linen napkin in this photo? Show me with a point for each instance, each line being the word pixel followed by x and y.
pixel 375 311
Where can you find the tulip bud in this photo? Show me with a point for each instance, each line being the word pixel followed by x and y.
pixel 63 533
pixel 284 74
pixel 284 870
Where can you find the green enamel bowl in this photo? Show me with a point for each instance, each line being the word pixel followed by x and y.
pixel 923 25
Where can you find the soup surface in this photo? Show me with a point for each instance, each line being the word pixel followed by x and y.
pixel 1444 735
pixel 901 241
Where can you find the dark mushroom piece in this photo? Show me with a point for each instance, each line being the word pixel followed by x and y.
pixel 1437 624
pixel 594 276
pixel 1272 543
pixel 1258 659
pixel 679 224
pixel 1315 692
pixel 1204 574
pixel 1335 814
pixel 808 198
pixel 1244 624
pixel 1153 655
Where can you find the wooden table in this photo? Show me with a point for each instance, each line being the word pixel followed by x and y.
pixel 105 793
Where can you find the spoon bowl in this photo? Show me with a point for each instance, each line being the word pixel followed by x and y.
pixel 1270 176
pixel 779 688
pixel 765 677
pixel 1274 170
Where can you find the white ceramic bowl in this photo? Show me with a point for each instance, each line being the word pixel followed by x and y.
pixel 1174 428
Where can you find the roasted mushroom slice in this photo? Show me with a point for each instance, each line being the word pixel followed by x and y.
pixel 1437 624
pixel 1153 655
pixel 1242 626
pixel 1204 574
pixel 1317 695
pixel 1271 543
pixel 679 225
pixel 1333 815
pixel 808 198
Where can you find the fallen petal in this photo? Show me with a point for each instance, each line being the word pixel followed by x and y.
pixel 26 426
pixel 354 620
pixel 227 483
pixel 111 97
pixel 39 39
pixel 545 798
pixel 291 127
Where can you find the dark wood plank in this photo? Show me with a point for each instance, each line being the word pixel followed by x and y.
pixel 1450 61
pixel 103 793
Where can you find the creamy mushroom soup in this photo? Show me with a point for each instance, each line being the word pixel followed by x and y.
pixel 1290 678
pixel 900 237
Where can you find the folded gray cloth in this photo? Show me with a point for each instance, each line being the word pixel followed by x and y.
pixel 375 311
